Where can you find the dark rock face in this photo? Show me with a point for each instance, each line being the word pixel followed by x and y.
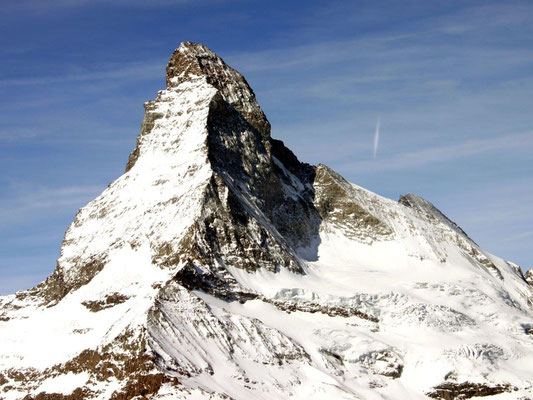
pixel 126 359
pixel 146 126
pixel 193 279
pixel 310 307
pixel 529 277
pixel 335 203
pixel 59 284
pixel 196 59
pixel 260 202
pixel 425 207
pixel 109 301
pixel 466 390
pixel 252 166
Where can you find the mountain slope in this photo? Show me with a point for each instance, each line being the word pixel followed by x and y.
pixel 220 266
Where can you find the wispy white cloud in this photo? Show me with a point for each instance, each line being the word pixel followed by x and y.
pixel 311 55
pixel 49 6
pixel 445 153
pixel 58 197
pixel 151 70
pixel 518 236
pixel 389 73
pixel 15 135
pixel 476 18
pixel 24 202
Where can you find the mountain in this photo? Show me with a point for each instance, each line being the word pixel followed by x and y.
pixel 219 266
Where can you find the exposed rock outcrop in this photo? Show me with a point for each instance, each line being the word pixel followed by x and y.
pixel 528 276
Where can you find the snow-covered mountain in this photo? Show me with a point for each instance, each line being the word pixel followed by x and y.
pixel 221 267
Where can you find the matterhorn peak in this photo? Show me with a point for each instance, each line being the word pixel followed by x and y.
pixel 192 60
pixel 219 266
pixel 200 85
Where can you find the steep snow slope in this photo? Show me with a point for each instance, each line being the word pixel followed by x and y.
pixel 219 266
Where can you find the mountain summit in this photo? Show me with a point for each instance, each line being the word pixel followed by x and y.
pixel 219 266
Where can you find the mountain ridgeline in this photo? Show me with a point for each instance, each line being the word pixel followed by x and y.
pixel 219 266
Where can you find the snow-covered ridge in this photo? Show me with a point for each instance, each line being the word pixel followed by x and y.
pixel 220 266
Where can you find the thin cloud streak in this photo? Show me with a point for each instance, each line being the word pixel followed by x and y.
pixel 443 153
pixel 50 197
pixel 54 199
pixel 523 235
pixel 137 72
pixel 38 6
pixel 367 48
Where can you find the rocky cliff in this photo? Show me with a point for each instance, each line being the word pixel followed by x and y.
pixel 219 266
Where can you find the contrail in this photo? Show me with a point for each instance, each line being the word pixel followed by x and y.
pixel 376 138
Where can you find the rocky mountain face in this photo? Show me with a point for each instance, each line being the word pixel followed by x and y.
pixel 529 277
pixel 219 266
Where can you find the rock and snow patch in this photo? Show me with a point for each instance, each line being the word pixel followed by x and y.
pixel 63 384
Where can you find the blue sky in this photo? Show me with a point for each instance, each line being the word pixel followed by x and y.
pixel 451 82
